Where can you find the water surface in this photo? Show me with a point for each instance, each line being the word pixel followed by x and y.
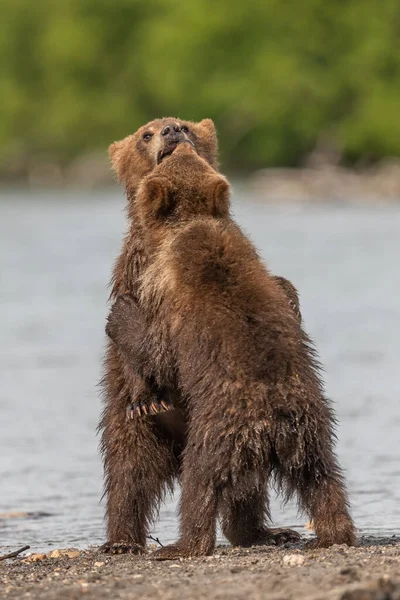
pixel 56 255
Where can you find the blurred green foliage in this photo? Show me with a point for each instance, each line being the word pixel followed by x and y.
pixel 276 76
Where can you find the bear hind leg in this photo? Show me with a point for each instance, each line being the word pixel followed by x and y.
pixel 243 520
pixel 307 465
pixel 198 506
pixel 198 512
pixel 139 465
pixel 324 499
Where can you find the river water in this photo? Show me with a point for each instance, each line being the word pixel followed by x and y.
pixel 56 255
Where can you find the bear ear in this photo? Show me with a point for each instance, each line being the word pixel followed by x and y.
pixel 209 136
pixel 158 196
pixel 220 192
pixel 208 125
pixel 117 153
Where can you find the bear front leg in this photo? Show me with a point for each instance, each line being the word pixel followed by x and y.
pixel 138 464
pixel 127 328
pixel 146 398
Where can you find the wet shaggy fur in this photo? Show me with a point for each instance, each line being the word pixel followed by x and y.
pixel 141 456
pixel 212 322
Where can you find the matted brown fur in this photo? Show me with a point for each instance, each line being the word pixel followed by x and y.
pixel 142 456
pixel 219 328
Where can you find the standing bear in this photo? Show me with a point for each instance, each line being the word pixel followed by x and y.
pixel 143 454
pixel 212 322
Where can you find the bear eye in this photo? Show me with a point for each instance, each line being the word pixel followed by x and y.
pixel 147 136
pixel 185 129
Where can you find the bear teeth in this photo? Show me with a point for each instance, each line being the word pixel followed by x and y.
pixel 164 153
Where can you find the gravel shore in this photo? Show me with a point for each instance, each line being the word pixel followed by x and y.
pixel 329 183
pixel 369 572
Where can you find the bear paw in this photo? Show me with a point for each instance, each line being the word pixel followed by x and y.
pixel 122 548
pixel 279 536
pixel 185 147
pixel 175 551
pixel 146 407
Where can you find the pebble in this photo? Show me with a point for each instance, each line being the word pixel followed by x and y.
pixel 293 560
pixel 71 553
pixel 99 564
pixel 236 569
pixel 35 557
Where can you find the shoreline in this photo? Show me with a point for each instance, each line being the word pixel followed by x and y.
pixel 318 181
pixel 370 571
pixel 329 183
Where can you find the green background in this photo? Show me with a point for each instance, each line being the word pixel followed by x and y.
pixel 278 78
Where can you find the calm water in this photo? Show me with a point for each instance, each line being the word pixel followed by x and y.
pixel 56 254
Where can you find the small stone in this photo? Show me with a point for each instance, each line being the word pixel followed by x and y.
pixel 99 564
pixel 35 557
pixel 293 560
pixel 235 569
pixel 174 566
pixel 137 576
pixel 350 572
pixel 72 553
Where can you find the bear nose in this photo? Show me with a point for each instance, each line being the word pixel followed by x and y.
pixel 170 130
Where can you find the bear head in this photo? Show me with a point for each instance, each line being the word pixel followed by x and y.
pixel 183 187
pixel 139 154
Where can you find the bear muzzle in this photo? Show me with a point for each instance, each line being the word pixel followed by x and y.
pixel 171 144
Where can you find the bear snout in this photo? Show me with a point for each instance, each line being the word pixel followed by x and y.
pixel 172 144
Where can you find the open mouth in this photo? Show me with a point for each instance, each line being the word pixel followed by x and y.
pixel 168 150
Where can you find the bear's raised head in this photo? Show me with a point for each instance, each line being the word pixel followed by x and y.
pixel 139 154
pixel 181 188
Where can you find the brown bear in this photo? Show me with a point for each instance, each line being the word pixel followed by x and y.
pixel 212 322
pixel 142 454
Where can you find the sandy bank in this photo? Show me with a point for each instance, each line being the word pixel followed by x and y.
pixel 369 572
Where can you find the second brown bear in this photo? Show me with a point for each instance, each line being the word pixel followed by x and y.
pixel 212 322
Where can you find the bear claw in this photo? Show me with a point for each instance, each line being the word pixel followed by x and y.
pixel 122 548
pixel 279 536
pixel 141 408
